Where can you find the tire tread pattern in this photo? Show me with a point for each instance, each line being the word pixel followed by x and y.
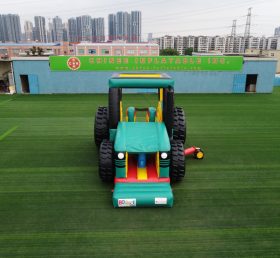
pixel 106 167
pixel 177 167
pixel 179 125
pixel 101 129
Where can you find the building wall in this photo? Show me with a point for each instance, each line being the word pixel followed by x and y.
pixel 5 67
pixel 277 80
pixel 275 54
pixel 117 49
pixel 185 81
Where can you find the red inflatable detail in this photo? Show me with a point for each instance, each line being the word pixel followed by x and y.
pixel 151 172
pixel 190 151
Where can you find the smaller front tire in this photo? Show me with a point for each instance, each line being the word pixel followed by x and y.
pixel 106 162
pixel 177 166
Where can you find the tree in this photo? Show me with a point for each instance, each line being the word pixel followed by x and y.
pixel 33 50
pixel 40 51
pixel 168 52
pixel 188 51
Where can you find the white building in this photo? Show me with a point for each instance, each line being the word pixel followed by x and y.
pixel 229 45
pixel 118 48
pixel 254 42
pixel 202 44
pixel 179 44
pixel 166 42
pixel 218 44
pixel 273 43
pixel 189 41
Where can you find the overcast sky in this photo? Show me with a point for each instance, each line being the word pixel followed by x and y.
pixel 176 17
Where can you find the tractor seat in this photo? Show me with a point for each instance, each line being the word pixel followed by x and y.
pixel 131 114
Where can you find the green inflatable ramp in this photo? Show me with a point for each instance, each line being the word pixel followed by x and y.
pixel 142 195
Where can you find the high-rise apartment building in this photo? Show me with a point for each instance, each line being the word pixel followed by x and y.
pixel 136 26
pixel 10 28
pixel 72 30
pixel 112 27
pixel 65 36
pixel 218 44
pixel 125 26
pixel 84 28
pixel 277 32
pixel 229 44
pixel 28 31
pixel 254 42
pixel 150 37
pixel 202 44
pixel 166 42
pixel 57 29
pixel 273 43
pixel 40 29
pixel 263 43
pixel 2 36
pixel 98 30
pixel 50 32
pixel 179 44
pixel 189 42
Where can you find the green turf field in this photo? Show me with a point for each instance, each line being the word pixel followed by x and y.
pixel 52 203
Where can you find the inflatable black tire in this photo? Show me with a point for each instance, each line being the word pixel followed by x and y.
pixel 101 128
pixel 179 125
pixel 114 107
pixel 106 165
pixel 168 109
pixel 177 166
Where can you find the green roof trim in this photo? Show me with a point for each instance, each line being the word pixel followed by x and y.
pixel 140 83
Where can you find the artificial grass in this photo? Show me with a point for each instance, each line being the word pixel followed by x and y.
pixel 52 203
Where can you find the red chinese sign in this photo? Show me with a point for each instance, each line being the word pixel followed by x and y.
pixel 74 63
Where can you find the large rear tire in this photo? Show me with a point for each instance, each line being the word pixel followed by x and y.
pixel 114 107
pixel 168 110
pixel 177 166
pixel 106 162
pixel 101 127
pixel 179 125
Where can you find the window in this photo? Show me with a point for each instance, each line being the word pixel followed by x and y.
pixel 105 51
pixel 130 52
pixel 143 52
pixel 92 51
pixel 3 51
pixel 154 52
pixel 16 51
pixel 271 54
pixel 118 52
pixel 81 51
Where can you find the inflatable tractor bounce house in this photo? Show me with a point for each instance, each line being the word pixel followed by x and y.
pixel 142 157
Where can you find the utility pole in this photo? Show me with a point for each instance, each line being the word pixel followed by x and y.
pixel 247 30
pixel 233 29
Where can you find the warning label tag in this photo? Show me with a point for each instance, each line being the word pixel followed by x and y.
pixel 160 200
pixel 127 202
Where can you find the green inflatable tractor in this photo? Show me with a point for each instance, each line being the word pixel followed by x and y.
pixel 141 157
